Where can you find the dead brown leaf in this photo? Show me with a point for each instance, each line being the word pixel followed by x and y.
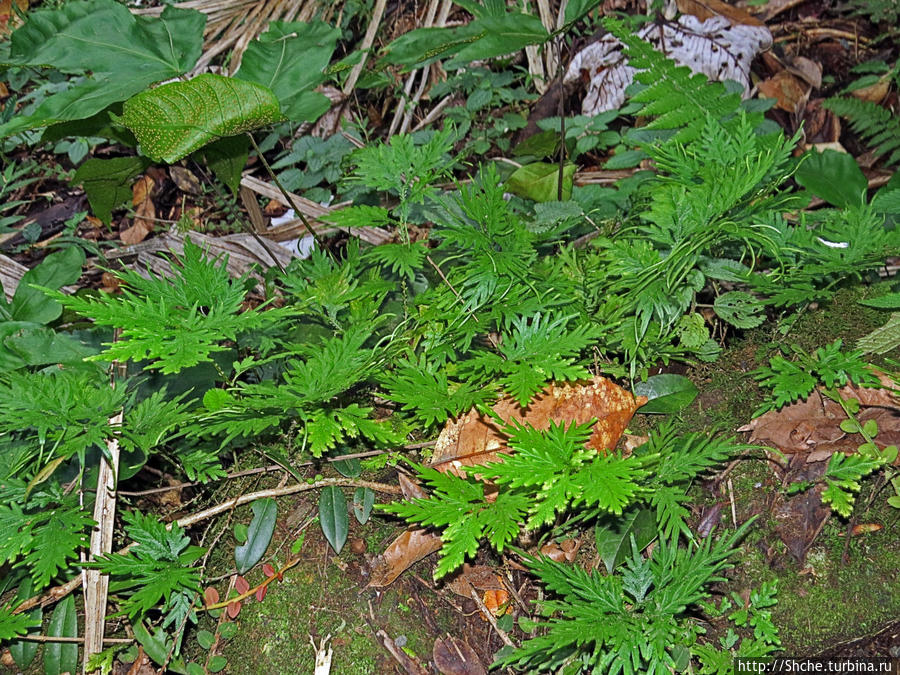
pixel 789 91
pixel 813 425
pixel 407 549
pixel 475 439
pixel 705 9
pixel 185 180
pixel 144 212
pixel 480 577
pixel 453 656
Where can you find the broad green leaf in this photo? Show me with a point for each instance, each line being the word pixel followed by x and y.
pixel 107 182
pixel 833 176
pixel 333 517
pixel 501 35
pixel 176 119
pixel 884 338
pixel 540 181
pixel 122 53
pixel 740 309
pixel 226 158
pixel 426 44
pixel 158 647
pixel 259 534
pixel 56 270
pixel 23 343
pixel 578 9
pixel 62 657
pixel 290 59
pixel 23 652
pixel 668 393
pixel 363 500
pixel 614 537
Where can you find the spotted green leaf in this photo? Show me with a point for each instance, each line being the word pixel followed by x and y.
pixel 176 119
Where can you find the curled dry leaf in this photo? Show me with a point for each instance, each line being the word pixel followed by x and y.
pixel 480 577
pixel 410 547
pixel 185 180
pixel 475 439
pixel 497 602
pixel 144 212
pixel 453 656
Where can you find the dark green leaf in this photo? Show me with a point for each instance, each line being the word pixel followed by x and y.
pixel 363 500
pixel 614 536
pixel 62 657
pixel 123 53
pixel 57 269
pixel 176 119
pixel 205 639
pixel 290 59
pixel 668 393
pixel 333 517
pixel 350 468
pixel 217 663
pixel 501 35
pixel 107 182
pixel 259 534
pixel 21 651
pixel 740 309
pixel 833 176
pixel 227 157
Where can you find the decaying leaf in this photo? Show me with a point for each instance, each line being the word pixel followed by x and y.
pixel 453 656
pixel 814 424
pixel 475 439
pixel 410 547
pixel 714 47
pixel 480 577
pixel 144 212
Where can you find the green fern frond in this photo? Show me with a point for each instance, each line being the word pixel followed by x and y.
pixel 677 98
pixel 877 127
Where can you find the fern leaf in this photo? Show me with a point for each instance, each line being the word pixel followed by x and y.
pixel 874 124
pixel 678 99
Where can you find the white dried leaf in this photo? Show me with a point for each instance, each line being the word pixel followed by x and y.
pixel 713 47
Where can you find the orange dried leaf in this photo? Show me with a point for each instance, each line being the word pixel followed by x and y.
pixel 475 439
pixel 864 528
pixel 497 602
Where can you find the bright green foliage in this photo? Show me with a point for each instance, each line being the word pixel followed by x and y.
pixel 173 120
pixel 290 59
pixel 535 349
pixel 878 11
pixel 81 404
pixel 679 99
pixel 158 565
pixel 459 506
pixel 626 622
pixel 793 380
pixel 119 53
pixel 842 478
pixel 177 321
pixel 12 625
pixel 550 474
pixel 429 394
pixel 875 125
